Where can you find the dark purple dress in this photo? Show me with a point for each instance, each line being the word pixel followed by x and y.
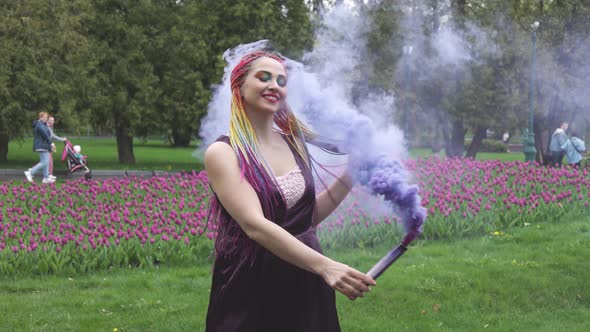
pixel 267 293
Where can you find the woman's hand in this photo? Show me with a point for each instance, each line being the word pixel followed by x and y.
pixel 347 280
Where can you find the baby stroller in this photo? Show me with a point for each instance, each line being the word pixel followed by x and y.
pixel 75 164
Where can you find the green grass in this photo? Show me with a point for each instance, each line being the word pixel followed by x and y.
pixel 526 279
pixel 503 156
pixel 151 154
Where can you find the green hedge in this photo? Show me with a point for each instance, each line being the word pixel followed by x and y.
pixel 489 145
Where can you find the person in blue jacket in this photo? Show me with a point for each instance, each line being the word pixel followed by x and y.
pixel 574 149
pixel 43 146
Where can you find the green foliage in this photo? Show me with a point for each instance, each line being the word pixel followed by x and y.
pixel 490 89
pixel 43 64
pixel 129 68
pixel 129 254
pixel 489 145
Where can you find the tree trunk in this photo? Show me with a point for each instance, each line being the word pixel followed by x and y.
pixel 455 145
pixel 478 137
pixel 125 145
pixel 181 138
pixel 4 147
pixel 542 137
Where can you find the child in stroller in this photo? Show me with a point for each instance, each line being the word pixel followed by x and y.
pixel 74 160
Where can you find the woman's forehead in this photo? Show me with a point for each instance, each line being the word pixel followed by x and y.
pixel 268 64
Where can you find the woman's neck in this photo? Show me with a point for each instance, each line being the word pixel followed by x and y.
pixel 263 128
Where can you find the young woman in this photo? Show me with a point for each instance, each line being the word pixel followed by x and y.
pixel 53 137
pixel 269 272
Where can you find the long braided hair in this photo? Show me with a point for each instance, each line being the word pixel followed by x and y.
pixel 230 239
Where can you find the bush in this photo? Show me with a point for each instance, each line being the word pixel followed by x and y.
pixel 489 145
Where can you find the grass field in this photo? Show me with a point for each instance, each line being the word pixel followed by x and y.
pixel 506 156
pixel 526 279
pixel 154 154
pixel 151 154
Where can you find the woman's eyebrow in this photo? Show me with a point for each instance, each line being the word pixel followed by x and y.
pixel 269 72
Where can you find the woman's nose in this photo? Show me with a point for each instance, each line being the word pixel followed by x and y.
pixel 273 85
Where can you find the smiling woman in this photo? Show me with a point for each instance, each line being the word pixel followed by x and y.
pixel 269 272
pixel 265 88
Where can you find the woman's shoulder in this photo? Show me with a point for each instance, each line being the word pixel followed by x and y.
pixel 218 153
pixel 222 138
pixel 220 161
pixel 220 144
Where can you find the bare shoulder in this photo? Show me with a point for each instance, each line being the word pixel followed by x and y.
pixel 218 154
pixel 220 164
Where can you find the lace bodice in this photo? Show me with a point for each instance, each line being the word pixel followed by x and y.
pixel 292 185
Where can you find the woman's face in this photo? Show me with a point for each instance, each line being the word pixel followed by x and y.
pixel 43 118
pixel 265 86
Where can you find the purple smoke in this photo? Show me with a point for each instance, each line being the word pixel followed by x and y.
pixel 387 177
pixel 384 176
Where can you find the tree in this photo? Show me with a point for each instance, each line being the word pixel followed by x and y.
pixel 127 86
pixel 42 64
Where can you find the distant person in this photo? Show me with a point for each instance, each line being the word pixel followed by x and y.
pixel 43 146
pixel 574 149
pixel 558 139
pixel 505 137
pixel 54 137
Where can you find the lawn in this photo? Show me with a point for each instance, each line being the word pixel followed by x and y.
pixel 151 154
pixel 523 279
pixel 154 154
pixel 504 156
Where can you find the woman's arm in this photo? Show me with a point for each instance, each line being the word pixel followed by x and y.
pixel 240 200
pixel 55 137
pixel 329 199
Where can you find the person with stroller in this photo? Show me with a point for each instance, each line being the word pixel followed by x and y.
pixel 574 149
pixel 43 146
pixel 54 137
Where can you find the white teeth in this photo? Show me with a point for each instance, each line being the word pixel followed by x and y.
pixel 272 98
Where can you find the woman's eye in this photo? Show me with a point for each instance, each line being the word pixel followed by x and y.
pixel 264 76
pixel 281 81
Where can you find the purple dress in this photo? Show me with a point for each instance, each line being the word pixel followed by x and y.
pixel 267 293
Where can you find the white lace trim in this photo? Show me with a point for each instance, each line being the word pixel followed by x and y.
pixel 292 185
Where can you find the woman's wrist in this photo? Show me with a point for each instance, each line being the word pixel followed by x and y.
pixel 322 267
pixel 346 178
